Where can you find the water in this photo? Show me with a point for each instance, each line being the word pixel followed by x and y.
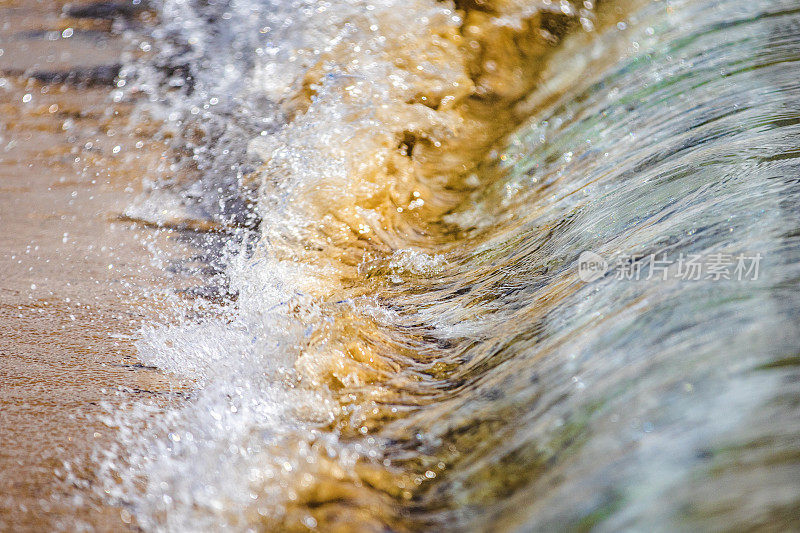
pixel 411 344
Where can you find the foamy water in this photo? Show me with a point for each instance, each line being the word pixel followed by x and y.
pixel 407 188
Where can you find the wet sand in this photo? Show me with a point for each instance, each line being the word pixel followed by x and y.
pixel 75 278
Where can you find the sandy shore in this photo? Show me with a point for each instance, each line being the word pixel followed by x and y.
pixel 75 278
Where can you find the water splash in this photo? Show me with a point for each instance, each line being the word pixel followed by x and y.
pixel 411 346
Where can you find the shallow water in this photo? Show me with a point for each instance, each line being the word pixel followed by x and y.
pixel 76 282
pixel 408 341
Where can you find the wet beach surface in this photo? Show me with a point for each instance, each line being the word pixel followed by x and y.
pixel 75 279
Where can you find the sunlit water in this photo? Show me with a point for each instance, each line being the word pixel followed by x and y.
pixel 458 372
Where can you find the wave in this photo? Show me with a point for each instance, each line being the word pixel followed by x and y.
pixel 405 190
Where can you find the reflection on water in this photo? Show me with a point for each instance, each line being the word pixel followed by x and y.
pixel 450 370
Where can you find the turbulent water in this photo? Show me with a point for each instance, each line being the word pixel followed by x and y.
pixel 408 336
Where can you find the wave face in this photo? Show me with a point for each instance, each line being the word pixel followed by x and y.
pixel 416 341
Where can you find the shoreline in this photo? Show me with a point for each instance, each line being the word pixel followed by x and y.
pixel 77 280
